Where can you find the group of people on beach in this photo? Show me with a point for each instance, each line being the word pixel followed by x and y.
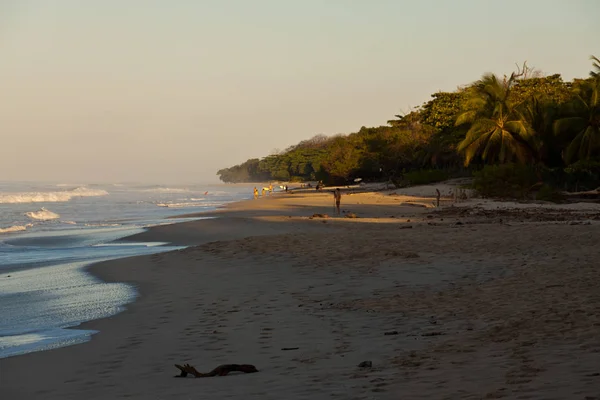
pixel 268 190
pixel 337 194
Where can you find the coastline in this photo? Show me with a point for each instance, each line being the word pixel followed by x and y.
pixel 265 275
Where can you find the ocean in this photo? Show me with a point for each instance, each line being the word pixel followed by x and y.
pixel 50 232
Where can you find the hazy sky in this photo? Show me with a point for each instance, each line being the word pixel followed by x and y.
pixel 171 91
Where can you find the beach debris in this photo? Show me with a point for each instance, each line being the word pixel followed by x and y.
pixel 405 227
pixel 391 333
pixel 289 348
pixel 221 370
pixel 406 204
pixel 580 223
pixel 319 216
pixel 365 364
pixel 351 215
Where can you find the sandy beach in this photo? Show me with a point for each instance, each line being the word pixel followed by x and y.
pixel 471 300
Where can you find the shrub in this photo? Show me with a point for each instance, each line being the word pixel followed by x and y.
pixel 582 175
pixel 549 193
pixel 424 177
pixel 506 180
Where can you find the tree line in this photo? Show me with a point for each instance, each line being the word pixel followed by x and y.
pixel 525 120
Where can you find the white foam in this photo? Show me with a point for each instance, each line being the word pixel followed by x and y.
pixel 15 228
pixel 69 184
pixel 167 190
pixel 185 205
pixel 179 205
pixel 102 225
pixel 42 215
pixel 49 197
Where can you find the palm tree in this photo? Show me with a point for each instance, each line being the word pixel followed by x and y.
pixel 498 131
pixel 540 114
pixel 582 123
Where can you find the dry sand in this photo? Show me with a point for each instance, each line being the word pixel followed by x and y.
pixel 477 303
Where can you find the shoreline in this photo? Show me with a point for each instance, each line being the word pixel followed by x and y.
pixel 267 275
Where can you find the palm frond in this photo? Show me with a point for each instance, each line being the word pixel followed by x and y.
pixel 475 139
pixel 570 125
pixel 596 65
pixel 521 129
pixel 466 117
pixel 589 142
pixel 495 146
pixel 522 152
pixel 595 95
pixel 572 149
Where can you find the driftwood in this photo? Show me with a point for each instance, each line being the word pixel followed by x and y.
pixel 594 192
pixel 221 370
pixel 590 196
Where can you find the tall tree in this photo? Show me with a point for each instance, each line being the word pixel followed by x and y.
pixel 582 122
pixel 498 131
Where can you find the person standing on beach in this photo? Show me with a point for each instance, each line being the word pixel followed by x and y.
pixel 255 193
pixel 337 196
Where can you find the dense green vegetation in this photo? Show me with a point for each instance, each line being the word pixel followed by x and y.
pixel 523 129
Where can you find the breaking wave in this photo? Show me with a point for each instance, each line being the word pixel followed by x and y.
pixel 49 197
pixel 42 215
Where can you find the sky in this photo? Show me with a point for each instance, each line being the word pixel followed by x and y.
pixel 171 91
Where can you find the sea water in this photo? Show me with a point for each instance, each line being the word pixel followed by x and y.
pixel 50 232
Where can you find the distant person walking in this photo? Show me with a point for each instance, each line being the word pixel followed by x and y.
pixel 337 196
pixel 255 193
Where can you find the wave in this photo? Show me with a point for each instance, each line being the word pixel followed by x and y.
pixel 166 190
pixel 42 215
pixel 184 205
pixel 15 228
pixel 179 205
pixel 102 225
pixel 49 197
